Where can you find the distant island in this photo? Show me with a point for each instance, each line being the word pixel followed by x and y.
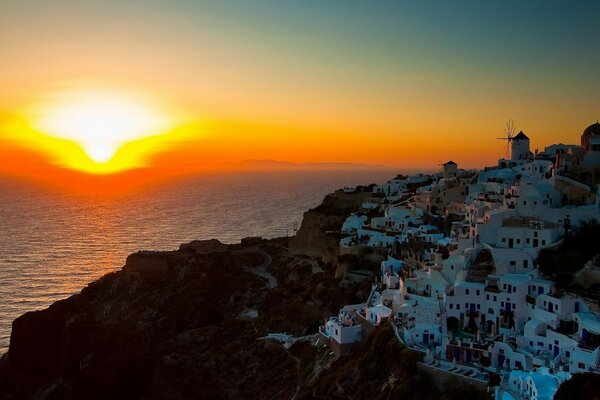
pixel 287 165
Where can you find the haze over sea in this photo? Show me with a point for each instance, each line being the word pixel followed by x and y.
pixel 53 243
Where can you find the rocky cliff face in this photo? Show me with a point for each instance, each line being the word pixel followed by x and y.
pixel 318 235
pixel 180 324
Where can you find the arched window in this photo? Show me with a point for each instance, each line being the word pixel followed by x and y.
pixel 490 311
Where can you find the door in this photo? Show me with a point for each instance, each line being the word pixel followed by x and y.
pixel 501 359
pixel 556 350
pixel 511 243
pixel 536 242
pixel 425 337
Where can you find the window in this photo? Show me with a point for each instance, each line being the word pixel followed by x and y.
pixel 518 240
pixel 458 306
pixel 487 296
pixel 503 240
pixel 581 365
pixel 467 291
pixel 513 263
pixel 543 242
pixel 336 331
pixel 495 298
pixel 501 304
pixel 524 202
pixel 451 306
pixel 525 263
pixel 478 306
pixel 477 292
pixel 527 240
pixel 514 305
pixel 568 354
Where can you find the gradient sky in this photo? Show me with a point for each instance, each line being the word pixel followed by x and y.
pixel 402 83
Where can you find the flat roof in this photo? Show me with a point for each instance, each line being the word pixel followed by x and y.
pixel 465 284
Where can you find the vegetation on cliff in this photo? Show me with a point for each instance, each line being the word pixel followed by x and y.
pixel 560 263
pixel 581 386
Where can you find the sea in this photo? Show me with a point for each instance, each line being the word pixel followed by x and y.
pixel 54 242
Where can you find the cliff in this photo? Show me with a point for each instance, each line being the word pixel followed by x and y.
pixel 179 324
pixel 191 323
pixel 319 233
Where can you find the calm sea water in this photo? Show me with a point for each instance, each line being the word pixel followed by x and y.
pixel 53 243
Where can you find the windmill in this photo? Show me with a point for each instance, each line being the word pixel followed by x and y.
pixel 509 131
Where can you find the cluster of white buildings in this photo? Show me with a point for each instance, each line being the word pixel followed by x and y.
pixel 472 295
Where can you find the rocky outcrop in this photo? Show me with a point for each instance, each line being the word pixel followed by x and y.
pixel 318 235
pixel 589 275
pixel 180 324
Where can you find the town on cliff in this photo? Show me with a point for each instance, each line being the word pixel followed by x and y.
pixel 467 279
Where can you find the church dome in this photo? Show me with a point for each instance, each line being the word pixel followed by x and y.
pixel 592 130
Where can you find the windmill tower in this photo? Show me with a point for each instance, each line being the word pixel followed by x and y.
pixel 518 144
pixel 520 147
pixel 450 169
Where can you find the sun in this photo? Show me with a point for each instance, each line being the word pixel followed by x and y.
pixel 100 122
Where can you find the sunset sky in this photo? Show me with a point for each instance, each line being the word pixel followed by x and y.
pixel 401 83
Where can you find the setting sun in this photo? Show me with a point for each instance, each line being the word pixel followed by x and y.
pixel 100 122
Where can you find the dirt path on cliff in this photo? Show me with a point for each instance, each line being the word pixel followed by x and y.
pixel 261 270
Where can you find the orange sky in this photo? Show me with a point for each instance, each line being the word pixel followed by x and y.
pixel 397 84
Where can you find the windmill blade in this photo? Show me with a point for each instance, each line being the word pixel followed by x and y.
pixel 506 149
pixel 510 129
